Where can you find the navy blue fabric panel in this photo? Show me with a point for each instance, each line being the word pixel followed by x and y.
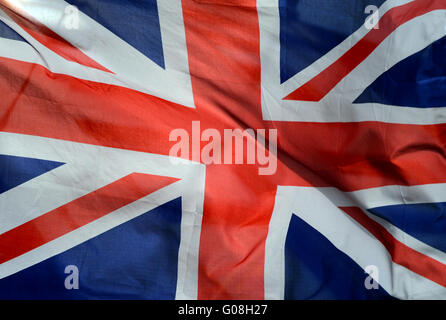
pixel 7 32
pixel 136 22
pixel 418 81
pixel 424 221
pixel 136 260
pixel 316 269
pixel 17 170
pixel 311 28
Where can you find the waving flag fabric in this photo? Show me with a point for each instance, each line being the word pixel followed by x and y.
pixel 94 205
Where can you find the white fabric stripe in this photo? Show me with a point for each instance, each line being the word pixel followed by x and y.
pixel 274 279
pixel 170 15
pixel 344 233
pixel 19 50
pixel 398 114
pixel 387 195
pixel 305 111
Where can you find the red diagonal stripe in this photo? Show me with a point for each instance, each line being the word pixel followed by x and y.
pixel 49 38
pixel 324 82
pixel 400 253
pixel 78 213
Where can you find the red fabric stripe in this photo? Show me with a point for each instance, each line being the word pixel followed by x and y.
pixel 223 48
pixel 50 39
pixel 400 253
pixel 78 213
pixel 38 102
pixel 324 82
pixel 349 156
pixel 353 156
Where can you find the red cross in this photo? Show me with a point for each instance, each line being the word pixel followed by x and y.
pixel 223 47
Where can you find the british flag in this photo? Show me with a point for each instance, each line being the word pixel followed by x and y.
pixel 92 89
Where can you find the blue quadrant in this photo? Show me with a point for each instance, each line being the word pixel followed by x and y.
pixel 136 260
pixel 316 269
pixel 424 221
pixel 311 28
pixel 7 32
pixel 136 22
pixel 419 81
pixel 17 170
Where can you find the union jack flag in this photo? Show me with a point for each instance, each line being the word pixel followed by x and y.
pixel 92 89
